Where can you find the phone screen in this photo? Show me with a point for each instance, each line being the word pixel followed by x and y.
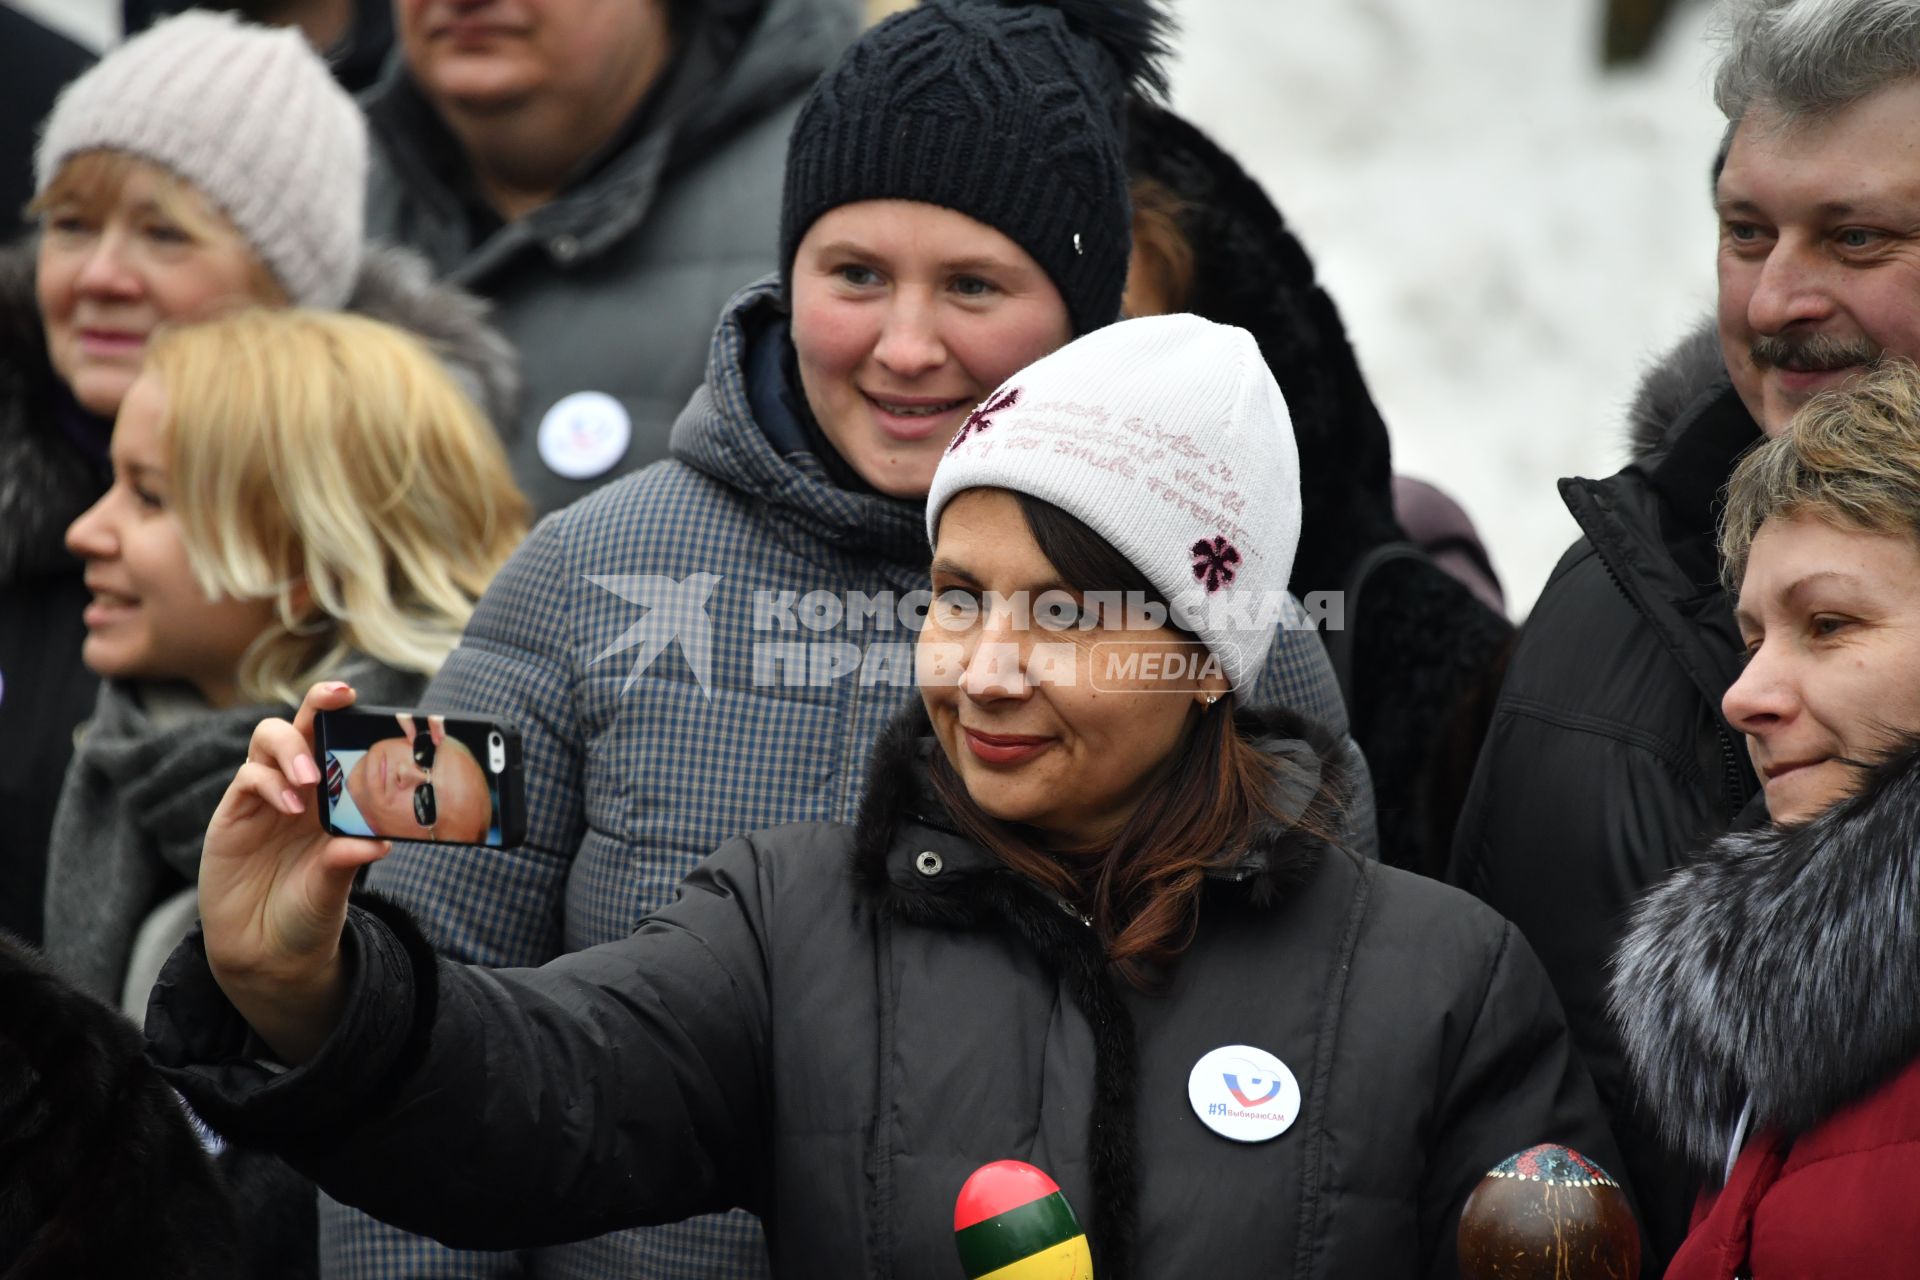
pixel 405 775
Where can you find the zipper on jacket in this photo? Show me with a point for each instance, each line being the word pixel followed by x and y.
pixel 1735 777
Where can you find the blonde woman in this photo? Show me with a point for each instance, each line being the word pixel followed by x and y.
pixel 165 193
pixel 297 496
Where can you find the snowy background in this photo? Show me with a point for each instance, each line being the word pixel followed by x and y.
pixel 1510 232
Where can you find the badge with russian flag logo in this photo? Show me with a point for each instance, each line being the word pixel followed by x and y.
pixel 1244 1093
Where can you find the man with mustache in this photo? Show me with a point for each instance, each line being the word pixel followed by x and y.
pixel 1608 756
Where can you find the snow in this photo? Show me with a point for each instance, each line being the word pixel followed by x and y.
pixel 1511 233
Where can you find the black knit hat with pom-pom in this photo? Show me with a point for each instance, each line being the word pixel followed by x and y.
pixel 1013 114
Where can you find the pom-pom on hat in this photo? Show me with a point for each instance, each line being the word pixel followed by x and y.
pixel 253 120
pixel 1013 114
pixel 1169 438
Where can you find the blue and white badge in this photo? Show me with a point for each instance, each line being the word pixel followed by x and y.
pixel 1244 1093
pixel 583 435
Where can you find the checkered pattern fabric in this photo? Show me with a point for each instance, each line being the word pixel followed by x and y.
pixel 629 786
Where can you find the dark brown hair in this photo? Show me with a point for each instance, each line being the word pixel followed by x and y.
pixel 1162 253
pixel 1142 893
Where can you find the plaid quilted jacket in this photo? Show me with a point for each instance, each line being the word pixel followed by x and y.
pixel 676 683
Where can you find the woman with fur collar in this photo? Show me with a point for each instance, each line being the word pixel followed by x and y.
pixel 1091 916
pixel 164 194
pixel 1765 991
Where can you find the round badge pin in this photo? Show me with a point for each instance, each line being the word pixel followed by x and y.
pixel 584 434
pixel 1244 1093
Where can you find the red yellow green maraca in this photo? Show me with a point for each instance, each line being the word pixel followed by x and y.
pixel 1011 1222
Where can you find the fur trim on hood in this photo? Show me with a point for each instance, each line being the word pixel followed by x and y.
pixel 1685 373
pixel 46 480
pixel 1779 966
pixel 397 285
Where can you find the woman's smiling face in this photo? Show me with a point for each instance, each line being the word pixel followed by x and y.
pixel 112 269
pixel 905 316
pixel 149 618
pixel 1831 620
pixel 1062 730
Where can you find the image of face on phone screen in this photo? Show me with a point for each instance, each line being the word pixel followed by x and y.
pixel 402 775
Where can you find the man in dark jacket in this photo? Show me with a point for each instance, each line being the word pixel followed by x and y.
pixel 1609 756
pixel 608 175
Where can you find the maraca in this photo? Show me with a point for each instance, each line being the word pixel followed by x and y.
pixel 1548 1213
pixel 1011 1222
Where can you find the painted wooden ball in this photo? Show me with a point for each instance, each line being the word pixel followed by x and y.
pixel 1012 1222
pixel 1548 1213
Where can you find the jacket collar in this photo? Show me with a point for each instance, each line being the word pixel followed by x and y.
pixel 49 473
pixel 718 435
pixel 1652 524
pixel 1778 966
pixel 902 817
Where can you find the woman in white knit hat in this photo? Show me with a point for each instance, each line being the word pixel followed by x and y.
pixel 204 165
pixel 1094 915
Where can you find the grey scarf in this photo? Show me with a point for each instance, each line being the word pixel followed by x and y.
pixel 134 810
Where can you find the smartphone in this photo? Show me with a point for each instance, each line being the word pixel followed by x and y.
pixel 406 775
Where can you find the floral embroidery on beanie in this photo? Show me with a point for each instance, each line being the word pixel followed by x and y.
pixel 1214 562
pixel 980 419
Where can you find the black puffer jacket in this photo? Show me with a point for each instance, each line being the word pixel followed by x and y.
pixel 53 467
pixel 737 1049
pixel 1419 652
pixel 1608 758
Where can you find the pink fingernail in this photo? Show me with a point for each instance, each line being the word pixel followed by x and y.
pixel 293 801
pixel 305 771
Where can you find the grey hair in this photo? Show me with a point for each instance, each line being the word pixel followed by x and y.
pixel 1807 58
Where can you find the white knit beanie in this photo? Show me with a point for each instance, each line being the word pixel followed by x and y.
pixel 1169 438
pixel 253 120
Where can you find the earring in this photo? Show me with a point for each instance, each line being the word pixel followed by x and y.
pixel 1212 698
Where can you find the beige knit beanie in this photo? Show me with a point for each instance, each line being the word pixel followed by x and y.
pixel 251 117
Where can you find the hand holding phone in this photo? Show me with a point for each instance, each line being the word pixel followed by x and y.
pixel 273 888
pixel 406 775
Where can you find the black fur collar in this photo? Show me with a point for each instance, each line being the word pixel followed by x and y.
pixel 1779 965
pixel 1680 377
pixel 45 481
